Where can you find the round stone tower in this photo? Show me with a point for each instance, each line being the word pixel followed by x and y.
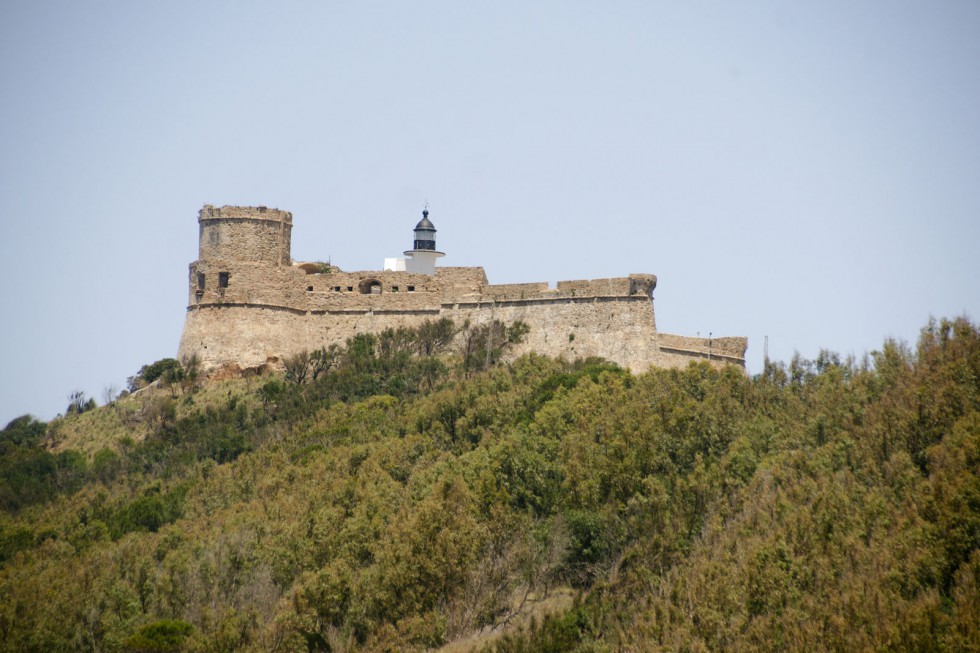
pixel 244 262
pixel 251 234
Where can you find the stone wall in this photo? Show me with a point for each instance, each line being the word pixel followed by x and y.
pixel 727 348
pixel 250 335
pixel 618 329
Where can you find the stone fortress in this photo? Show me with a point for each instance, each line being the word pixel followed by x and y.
pixel 251 305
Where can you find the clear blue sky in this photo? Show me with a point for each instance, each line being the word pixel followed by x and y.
pixel 806 171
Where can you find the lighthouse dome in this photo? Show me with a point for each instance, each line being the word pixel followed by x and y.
pixel 424 224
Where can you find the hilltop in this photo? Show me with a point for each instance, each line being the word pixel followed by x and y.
pixel 387 495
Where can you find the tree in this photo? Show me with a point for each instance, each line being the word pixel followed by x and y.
pixel 483 345
pixel 323 360
pixel 109 394
pixel 78 404
pixel 192 372
pixel 297 367
pixel 174 377
pixel 433 336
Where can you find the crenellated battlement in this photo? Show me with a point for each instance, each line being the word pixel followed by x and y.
pixel 260 213
pixel 249 303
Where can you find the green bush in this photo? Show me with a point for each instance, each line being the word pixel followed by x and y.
pixel 150 373
pixel 149 512
pixel 25 431
pixel 166 636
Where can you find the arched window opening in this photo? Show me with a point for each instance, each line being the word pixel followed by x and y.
pixel 370 287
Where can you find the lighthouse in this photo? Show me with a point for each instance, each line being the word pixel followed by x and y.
pixel 422 257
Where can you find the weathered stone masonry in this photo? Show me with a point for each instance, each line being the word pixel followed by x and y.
pixel 250 304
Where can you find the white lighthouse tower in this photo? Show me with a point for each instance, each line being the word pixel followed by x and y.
pixel 422 258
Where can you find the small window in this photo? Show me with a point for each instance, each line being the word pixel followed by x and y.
pixel 336 288
pixel 222 279
pixel 309 289
pixel 350 288
pixel 394 289
pixel 411 289
pixel 200 281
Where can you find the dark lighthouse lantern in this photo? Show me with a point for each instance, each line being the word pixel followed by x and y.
pixel 425 233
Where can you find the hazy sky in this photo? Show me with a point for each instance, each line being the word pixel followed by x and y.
pixel 807 171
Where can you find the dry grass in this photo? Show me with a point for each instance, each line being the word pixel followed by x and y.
pixel 133 417
pixel 535 608
pixel 101 428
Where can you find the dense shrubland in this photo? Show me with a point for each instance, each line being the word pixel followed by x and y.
pixel 397 494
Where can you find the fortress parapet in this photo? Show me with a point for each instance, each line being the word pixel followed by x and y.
pixel 250 304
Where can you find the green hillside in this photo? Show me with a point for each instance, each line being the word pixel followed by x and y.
pixel 397 496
